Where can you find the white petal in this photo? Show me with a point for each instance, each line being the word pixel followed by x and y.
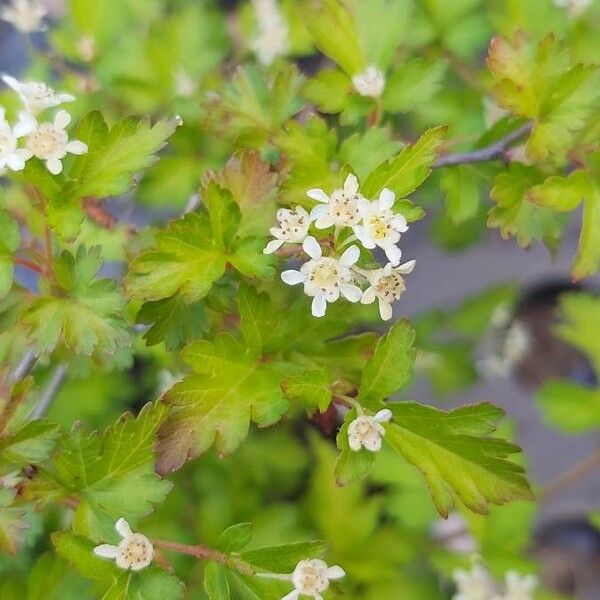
pixel 293 595
pixel 312 247
pixel 319 306
pixel 368 296
pixel 292 277
pixel 106 551
pixel 54 166
pixel 354 443
pixel 387 270
pixel 26 124
pixel 351 292
pixel 364 238
pixel 350 256
pixel 385 310
pixel 335 572
pixel 11 82
pixel 302 212
pixel 406 267
pixel 15 162
pixel 122 526
pixel 393 253
pixel 319 211
pixel 399 223
pixel 372 443
pixel 365 207
pixel 62 119
pixel 351 185
pixel 65 97
pixel 318 194
pixel 273 246
pixel 383 415
pixel 77 147
pixel 324 222
pixel 386 199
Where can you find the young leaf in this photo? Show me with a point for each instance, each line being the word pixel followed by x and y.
pixel 215 581
pixel 409 169
pixel 312 389
pixel 283 558
pixel 455 454
pixel 390 367
pixel 234 538
pixel 216 403
pixel 9 242
pixel 84 314
pixel 31 443
pixel 462 193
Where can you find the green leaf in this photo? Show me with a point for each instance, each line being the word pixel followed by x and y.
pixel 10 241
pixel 12 522
pixel 414 83
pixel 335 34
pixel 312 389
pixel 329 90
pixel 462 193
pixel 455 454
pixel 215 581
pixel 588 253
pixel 82 313
pixel 234 538
pixel 515 215
pixel 215 404
pixel 351 465
pixel 258 318
pixel 173 321
pixel 283 558
pixel 409 169
pixel 112 473
pixel 390 367
pixel 570 407
pixel 31 443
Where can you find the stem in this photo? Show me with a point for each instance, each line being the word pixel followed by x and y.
pixel 24 262
pixel 25 366
pixel 348 240
pixel 56 380
pixel 575 473
pixel 374 118
pixel 205 553
pixel 494 151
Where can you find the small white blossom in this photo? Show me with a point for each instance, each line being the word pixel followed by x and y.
pixel 310 578
pixel 366 431
pixel 324 277
pixel 518 587
pixel 185 86
pixel 476 584
pixel 387 286
pixel 573 7
pixel 380 226
pixel 86 47
pixel 370 82
pixel 49 142
pixel 341 208
pixel 36 96
pixel 273 36
pixel 25 15
pixel 292 228
pixel 11 155
pixel 135 551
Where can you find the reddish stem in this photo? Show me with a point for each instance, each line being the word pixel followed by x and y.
pixel 24 262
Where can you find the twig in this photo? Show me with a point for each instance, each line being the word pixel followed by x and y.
pixel 25 366
pixel 56 380
pixel 29 264
pixel 576 472
pixel 492 152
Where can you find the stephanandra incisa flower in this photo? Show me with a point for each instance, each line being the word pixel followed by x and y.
pixel 367 431
pixel 370 83
pixel 272 39
pixel 340 208
pixel 309 578
pixel 134 551
pixel 11 156
pixel 292 228
pixel 325 277
pixel 36 96
pixel 25 15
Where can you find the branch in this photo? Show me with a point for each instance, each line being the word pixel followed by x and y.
pixel 494 151
pixel 25 366
pixel 56 380
pixel 575 473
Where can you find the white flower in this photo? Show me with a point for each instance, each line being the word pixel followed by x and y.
pixel 370 82
pixel 185 86
pixel 310 578
pixel 273 37
pixel 574 7
pixel 341 208
pixel 49 142
pixel 366 432
pixel 380 226
pixel 10 155
pixel 518 587
pixel 135 551
pixel 475 584
pixel 292 228
pixel 386 285
pixel 25 15
pixel 36 96
pixel 324 277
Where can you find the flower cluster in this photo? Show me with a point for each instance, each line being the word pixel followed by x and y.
pixel 45 140
pixel 134 551
pixel 373 223
pixel 478 584
pixel 309 578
